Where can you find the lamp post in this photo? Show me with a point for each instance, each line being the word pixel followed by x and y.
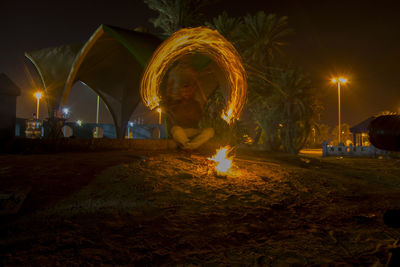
pixel 130 125
pixel 96 134
pixel 65 112
pixel 339 81
pixel 159 110
pixel 38 96
pixel 157 131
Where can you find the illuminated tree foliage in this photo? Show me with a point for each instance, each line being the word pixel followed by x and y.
pixel 262 37
pixel 298 107
pixel 227 26
pixel 280 97
pixel 176 14
pixel 319 133
pixel 346 134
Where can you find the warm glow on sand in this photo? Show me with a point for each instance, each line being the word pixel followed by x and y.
pixel 223 162
pixel 197 40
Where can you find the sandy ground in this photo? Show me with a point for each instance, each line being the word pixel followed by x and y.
pixel 148 208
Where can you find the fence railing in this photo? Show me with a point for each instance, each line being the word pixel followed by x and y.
pixel 355 151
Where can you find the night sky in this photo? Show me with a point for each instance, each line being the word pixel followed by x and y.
pixel 353 38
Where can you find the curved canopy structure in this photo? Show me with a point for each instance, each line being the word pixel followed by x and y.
pixel 53 66
pixel 8 87
pixel 111 63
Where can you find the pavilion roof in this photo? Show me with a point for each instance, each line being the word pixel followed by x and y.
pixel 110 62
pixel 8 87
pixel 362 127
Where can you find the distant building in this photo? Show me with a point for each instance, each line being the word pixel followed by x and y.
pixel 8 106
pixel 361 146
pixel 360 132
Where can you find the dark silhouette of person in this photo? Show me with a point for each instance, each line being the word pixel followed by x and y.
pixel 183 108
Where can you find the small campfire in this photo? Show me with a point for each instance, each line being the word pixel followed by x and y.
pixel 223 162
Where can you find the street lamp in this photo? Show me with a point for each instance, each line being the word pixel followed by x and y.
pixel 339 81
pixel 38 96
pixel 96 133
pixel 159 110
pixel 130 125
pixel 65 111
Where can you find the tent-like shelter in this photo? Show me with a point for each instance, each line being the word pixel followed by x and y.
pixel 53 65
pixel 111 63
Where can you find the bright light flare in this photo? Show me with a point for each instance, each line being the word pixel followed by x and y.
pixel 340 80
pixel 197 40
pixel 38 95
pixel 223 163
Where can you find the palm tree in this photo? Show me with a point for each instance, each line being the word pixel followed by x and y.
pixel 267 116
pixel 227 26
pixel 259 39
pixel 298 107
pixel 176 14
pixel 288 112
pixel 262 37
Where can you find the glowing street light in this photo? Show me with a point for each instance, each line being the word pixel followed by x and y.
pixel 65 111
pixel 79 122
pixel 339 81
pixel 38 96
pixel 130 125
pixel 159 110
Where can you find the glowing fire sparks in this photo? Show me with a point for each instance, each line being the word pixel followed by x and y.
pixel 222 161
pixel 197 40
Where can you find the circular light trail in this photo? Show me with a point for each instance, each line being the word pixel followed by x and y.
pixel 197 40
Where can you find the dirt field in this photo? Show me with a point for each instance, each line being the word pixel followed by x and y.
pixel 159 208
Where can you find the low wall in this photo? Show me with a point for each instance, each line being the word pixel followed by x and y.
pixel 42 146
pixel 37 146
pixel 352 151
